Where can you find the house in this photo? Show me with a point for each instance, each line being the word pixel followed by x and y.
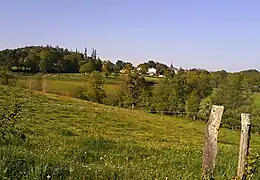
pixel 151 71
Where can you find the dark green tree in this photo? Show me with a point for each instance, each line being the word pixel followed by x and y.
pixel 131 89
pixel 119 65
pixel 85 53
pixel 236 99
pixel 94 54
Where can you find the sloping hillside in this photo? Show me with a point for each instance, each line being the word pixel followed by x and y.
pixel 70 138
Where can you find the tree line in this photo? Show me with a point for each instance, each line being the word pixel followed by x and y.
pixel 48 59
pixel 189 93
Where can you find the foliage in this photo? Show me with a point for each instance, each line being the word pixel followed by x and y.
pixel 171 95
pixel 192 104
pixel 205 108
pixel 89 67
pixel 119 65
pixel 78 93
pixel 160 68
pixel 236 99
pixel 132 88
pixel 107 67
pixel 94 88
pixel 43 59
pixel 128 67
pixel 252 164
pixel 7 79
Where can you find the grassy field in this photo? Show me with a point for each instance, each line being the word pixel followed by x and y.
pixel 73 139
pixel 66 84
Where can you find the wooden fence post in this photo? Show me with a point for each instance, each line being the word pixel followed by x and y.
pixel 244 144
pixel 210 141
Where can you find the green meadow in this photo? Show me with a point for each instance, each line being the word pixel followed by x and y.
pixel 69 138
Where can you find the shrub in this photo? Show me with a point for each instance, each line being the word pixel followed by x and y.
pixel 94 88
pixel 7 79
pixel 78 93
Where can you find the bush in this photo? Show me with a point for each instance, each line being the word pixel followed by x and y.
pixel 88 67
pixel 94 88
pixel 78 93
pixel 7 79
pixel 113 99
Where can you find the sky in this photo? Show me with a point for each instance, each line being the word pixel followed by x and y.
pixel 209 34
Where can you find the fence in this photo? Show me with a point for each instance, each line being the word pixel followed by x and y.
pixel 210 143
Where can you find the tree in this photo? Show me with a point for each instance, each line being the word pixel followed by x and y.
pixel 205 108
pixel 171 66
pixel 39 58
pixel 170 95
pixel 85 53
pixel 32 61
pixel 94 88
pixel 132 88
pixel 235 97
pixel 70 63
pixel 128 67
pixel 151 64
pixel 107 67
pixel 98 64
pixel 192 104
pixel 199 80
pixel 144 99
pixel 119 65
pixel 88 67
pixel 143 68
pixel 94 54
pixel 168 73
pixel 46 63
pixel 161 68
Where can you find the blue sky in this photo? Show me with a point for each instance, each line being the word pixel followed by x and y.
pixel 210 34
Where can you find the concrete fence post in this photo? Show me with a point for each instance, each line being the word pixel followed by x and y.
pixel 210 141
pixel 244 144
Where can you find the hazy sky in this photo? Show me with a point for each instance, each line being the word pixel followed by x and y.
pixel 211 34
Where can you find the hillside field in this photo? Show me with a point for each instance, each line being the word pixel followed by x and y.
pixel 66 84
pixel 69 138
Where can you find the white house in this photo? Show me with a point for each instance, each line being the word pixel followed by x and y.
pixel 151 71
